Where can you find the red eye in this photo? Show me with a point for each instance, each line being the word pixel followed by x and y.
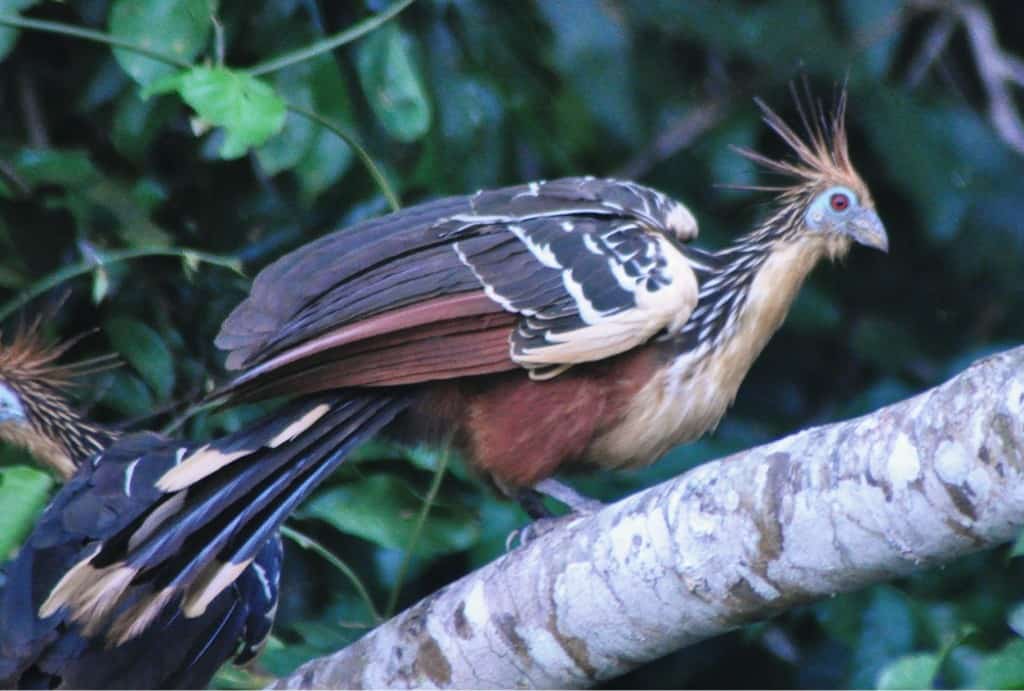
pixel 839 202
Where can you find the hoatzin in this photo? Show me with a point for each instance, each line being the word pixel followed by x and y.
pixel 176 651
pixel 536 326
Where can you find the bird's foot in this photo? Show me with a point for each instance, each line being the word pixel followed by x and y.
pixel 532 502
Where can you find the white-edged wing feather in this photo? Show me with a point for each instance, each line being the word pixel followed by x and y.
pixel 591 279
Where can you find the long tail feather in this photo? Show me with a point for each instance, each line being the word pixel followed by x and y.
pixel 213 510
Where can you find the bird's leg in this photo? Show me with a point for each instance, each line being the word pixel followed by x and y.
pixel 532 502
pixel 567 495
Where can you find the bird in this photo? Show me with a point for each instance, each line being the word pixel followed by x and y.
pixel 534 328
pixel 176 652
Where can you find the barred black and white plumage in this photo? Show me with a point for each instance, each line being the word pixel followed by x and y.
pixel 107 478
pixel 536 326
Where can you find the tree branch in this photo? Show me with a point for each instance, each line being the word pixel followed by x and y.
pixel 997 69
pixel 828 510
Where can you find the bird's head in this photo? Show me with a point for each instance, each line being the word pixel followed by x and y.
pixel 826 200
pixel 35 407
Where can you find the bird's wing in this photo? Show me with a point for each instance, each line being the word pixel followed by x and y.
pixel 567 271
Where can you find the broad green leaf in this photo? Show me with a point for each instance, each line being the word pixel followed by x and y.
pixel 283 150
pixel 248 109
pixel 177 28
pixel 137 121
pixel 131 207
pixel 383 509
pixel 67 168
pixel 329 156
pixel 8 34
pixel 23 494
pixel 887 631
pixel 317 155
pixel 145 350
pixel 1003 669
pixel 909 672
pixel 128 395
pixel 390 78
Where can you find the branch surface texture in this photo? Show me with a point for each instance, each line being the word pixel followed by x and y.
pixel 828 510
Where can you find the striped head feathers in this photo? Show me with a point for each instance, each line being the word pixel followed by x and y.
pixel 35 410
pixel 825 196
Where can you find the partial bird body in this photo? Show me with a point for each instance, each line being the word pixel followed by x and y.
pixel 536 326
pixel 155 646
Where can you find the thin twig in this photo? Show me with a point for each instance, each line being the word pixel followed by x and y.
pixel 218 38
pixel 997 69
pixel 306 542
pixel 35 124
pixel 414 538
pixel 364 156
pixel 675 138
pixel 10 174
pixel 328 44
pixel 90 35
pixel 84 267
pixel 996 72
pixel 934 44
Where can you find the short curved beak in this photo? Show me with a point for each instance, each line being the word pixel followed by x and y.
pixel 867 229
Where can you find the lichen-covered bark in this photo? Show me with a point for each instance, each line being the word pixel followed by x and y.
pixel 828 510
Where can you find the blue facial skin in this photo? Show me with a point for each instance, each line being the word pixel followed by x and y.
pixel 838 210
pixel 10 406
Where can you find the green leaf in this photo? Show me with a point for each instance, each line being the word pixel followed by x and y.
pixel 287 147
pixel 66 168
pixel 383 509
pixel 887 630
pixel 392 82
pixel 8 34
pixel 145 350
pixel 23 494
pixel 177 28
pixel 909 672
pixel 128 395
pixel 317 155
pixel 328 156
pixel 137 121
pixel 1003 669
pixel 248 109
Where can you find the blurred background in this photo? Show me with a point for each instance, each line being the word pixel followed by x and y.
pixel 137 212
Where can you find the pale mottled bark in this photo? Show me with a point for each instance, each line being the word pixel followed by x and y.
pixel 828 510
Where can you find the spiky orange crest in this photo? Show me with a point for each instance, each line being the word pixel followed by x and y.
pixel 29 358
pixel 822 156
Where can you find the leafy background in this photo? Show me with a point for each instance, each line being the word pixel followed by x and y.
pixel 147 194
